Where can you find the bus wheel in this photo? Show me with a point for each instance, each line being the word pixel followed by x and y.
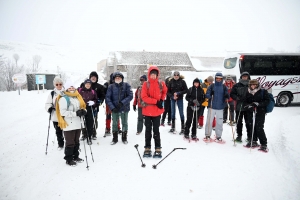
pixel 284 99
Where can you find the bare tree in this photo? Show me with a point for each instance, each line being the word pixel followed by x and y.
pixel 16 58
pixel 33 65
pixel 7 70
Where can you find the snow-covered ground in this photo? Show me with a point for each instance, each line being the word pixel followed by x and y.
pixel 203 171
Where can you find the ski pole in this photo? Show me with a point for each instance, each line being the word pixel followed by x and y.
pixel 230 118
pixel 94 120
pixel 87 138
pixel 254 115
pixel 136 146
pixel 87 165
pixel 48 133
pixel 154 166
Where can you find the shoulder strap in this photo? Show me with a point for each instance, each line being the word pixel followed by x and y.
pixel 262 93
pixel 68 100
pixel 79 89
pixel 52 94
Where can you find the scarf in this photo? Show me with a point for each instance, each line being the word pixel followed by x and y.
pixel 61 121
pixel 254 90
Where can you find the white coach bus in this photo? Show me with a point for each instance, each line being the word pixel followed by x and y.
pixel 281 72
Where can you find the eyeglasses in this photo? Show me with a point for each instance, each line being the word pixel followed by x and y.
pixel 58 84
pixel 176 74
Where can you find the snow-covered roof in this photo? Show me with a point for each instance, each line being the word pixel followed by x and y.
pixel 153 58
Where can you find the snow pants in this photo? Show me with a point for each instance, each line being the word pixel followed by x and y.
pixel 140 120
pixel 258 127
pixel 72 144
pixel 219 122
pixel 191 118
pixel 152 122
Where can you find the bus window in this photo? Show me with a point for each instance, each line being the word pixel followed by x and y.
pixel 230 63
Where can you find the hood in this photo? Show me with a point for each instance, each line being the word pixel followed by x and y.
pixel 245 73
pixel 153 67
pixel 218 74
pixel 111 78
pixel 94 74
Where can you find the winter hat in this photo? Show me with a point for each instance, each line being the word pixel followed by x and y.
pixel 219 75
pixel 154 71
pixel 87 81
pixel 228 77
pixel 118 74
pixel 196 80
pixel 253 82
pixel 245 73
pixel 57 79
pixel 176 73
pixel 94 74
pixel 68 84
pixel 210 79
pixel 143 77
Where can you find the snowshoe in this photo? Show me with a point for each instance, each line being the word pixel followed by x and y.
pixel 78 160
pixel 89 142
pixel 169 123
pixel 114 142
pixel 181 132
pixel 138 133
pixel 71 163
pixel 60 148
pixel 147 153
pixel 263 148
pixel 157 153
pixel 82 138
pixel 186 137
pixel 220 140
pixel 125 142
pixel 172 130
pixel 94 137
pixel 238 139
pixel 207 139
pixel 194 138
pixel 254 145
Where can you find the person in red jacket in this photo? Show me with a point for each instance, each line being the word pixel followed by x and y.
pixel 153 94
pixel 137 101
pixel 229 84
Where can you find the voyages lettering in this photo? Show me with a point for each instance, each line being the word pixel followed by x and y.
pixel 281 82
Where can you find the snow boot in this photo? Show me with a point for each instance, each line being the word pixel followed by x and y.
pixel 172 130
pixel 147 153
pixel 157 153
pixel 264 148
pixel 182 128
pixel 115 138
pixel 169 123
pixel 238 139
pixel 78 160
pixel 71 163
pixel 186 137
pixel 107 132
pixel 124 137
pixel 194 138
pixel 162 123
pixel 254 144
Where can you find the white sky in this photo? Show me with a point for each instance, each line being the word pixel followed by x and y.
pixel 187 25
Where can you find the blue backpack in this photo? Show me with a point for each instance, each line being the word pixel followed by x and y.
pixel 271 104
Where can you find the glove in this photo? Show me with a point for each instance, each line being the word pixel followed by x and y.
pixel 83 112
pixel 255 104
pixel 115 110
pixel 91 103
pixel 159 104
pixel 51 109
pixel 249 107
pixel 134 108
pixel 196 102
pixel 212 93
pixel 119 105
pixel 79 113
pixel 99 102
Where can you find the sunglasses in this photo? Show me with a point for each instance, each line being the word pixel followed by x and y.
pixel 176 74
pixel 58 84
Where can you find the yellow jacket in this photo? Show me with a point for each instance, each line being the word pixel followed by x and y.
pixel 204 87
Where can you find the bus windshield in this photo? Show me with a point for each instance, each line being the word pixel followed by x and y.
pixel 230 63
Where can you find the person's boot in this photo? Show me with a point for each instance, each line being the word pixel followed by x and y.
pixel 69 156
pixel 172 130
pixel 115 137
pixel 162 123
pixel 157 153
pixel 124 137
pixel 182 127
pixel 147 153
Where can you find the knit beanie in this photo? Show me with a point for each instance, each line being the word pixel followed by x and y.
pixel 68 84
pixel 87 81
pixel 210 79
pixel 143 77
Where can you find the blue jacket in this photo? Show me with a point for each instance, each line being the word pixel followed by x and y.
pixel 116 93
pixel 219 96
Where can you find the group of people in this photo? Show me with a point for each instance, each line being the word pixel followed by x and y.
pixel 73 110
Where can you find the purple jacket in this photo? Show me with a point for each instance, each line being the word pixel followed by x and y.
pixel 88 95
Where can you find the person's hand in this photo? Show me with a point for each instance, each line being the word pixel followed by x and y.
pixel 134 107
pixel 115 110
pixel 90 103
pixel 83 112
pixel 119 106
pixel 255 104
pixel 78 113
pixel 51 109
pixel 249 107
pixel 175 96
pixel 159 104
pixel 99 102
pixel 196 102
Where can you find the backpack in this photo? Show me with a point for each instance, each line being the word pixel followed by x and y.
pixel 271 104
pixel 66 97
pixel 142 103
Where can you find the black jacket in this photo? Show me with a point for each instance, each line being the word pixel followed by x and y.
pixel 261 97
pixel 238 93
pixel 191 95
pixel 178 86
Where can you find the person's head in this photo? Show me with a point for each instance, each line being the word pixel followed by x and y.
pixel 58 83
pixel 228 79
pixel 87 83
pixel 118 77
pixel 253 84
pixel 111 78
pixel 196 82
pixel 153 74
pixel 219 77
pixel 70 86
pixel 210 79
pixel 143 78
pixel 245 76
pixel 94 77
pixel 176 75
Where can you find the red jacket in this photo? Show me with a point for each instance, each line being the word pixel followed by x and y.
pixel 229 86
pixel 136 97
pixel 153 94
